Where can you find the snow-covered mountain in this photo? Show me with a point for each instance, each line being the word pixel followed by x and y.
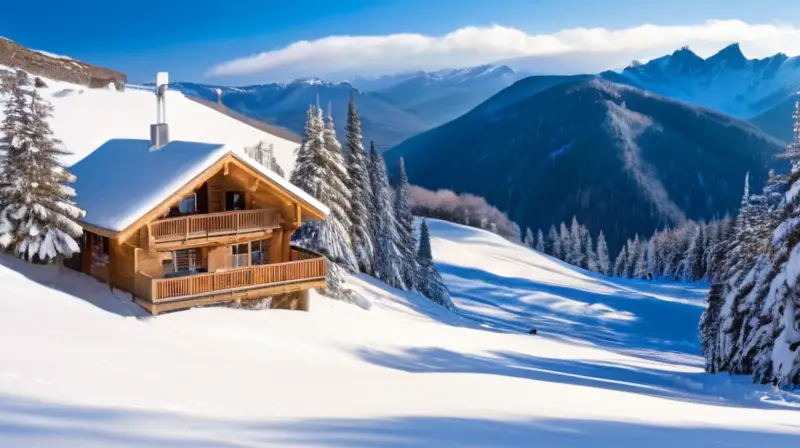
pixel 392 108
pixel 285 104
pixel 441 96
pixel 615 363
pixel 727 81
pixel 623 160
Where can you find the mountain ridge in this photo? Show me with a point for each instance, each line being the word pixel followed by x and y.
pixel 622 159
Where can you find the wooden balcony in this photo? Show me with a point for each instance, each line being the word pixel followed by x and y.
pixel 184 231
pixel 255 282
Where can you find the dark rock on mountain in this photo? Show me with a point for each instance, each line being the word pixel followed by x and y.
pixel 621 159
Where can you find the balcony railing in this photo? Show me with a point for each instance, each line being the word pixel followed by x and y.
pixel 213 224
pixel 158 290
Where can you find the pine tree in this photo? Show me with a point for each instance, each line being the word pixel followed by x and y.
pixel 553 246
pixel 650 261
pixel 694 256
pixel 565 243
pixel 361 200
pixel 405 226
pixel 264 154
pixel 38 216
pixel 590 256
pixel 709 326
pixel 528 241
pixel 574 254
pixel 603 262
pixel 429 281
pixel 540 241
pixel 388 261
pixel 783 296
pixel 639 264
pixel 320 172
pixel 632 254
pixel 621 263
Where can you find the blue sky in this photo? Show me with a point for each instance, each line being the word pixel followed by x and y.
pixel 189 38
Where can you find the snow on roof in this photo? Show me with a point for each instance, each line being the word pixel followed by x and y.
pixel 123 180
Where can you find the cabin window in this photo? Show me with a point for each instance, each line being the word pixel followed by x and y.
pixel 240 254
pixel 188 205
pixel 234 200
pixel 259 252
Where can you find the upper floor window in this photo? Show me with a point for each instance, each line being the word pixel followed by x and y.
pixel 188 205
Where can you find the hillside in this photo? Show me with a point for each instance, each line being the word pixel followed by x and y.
pixel 61 68
pixel 402 373
pixel 623 160
pixel 727 81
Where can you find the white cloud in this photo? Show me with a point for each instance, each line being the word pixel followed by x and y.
pixel 478 45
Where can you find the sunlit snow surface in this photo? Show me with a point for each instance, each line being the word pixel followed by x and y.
pixel 615 364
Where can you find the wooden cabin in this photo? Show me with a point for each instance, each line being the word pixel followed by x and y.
pixel 192 224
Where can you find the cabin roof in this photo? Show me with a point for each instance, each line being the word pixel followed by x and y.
pixel 123 180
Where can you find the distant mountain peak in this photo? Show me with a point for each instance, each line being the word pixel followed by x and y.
pixel 732 55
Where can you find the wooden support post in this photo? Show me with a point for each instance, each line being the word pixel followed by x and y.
pixel 287 239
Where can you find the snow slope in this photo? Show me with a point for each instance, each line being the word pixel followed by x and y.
pixel 615 364
pixel 84 119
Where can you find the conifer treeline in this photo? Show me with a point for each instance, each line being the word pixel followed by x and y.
pixel 370 225
pixel 689 252
pixel 752 322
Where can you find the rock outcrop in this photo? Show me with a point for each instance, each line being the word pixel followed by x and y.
pixel 60 68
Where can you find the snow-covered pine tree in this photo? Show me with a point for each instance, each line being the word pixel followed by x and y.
pixel 405 226
pixel 553 246
pixel 264 153
pixel 630 260
pixel 429 281
pixel 388 261
pixel 639 264
pixel 709 326
pixel 540 241
pixel 528 241
pixel 650 261
pixel 693 261
pixel 38 216
pixel 307 175
pixel 783 296
pixel 565 243
pixel 320 172
pixel 589 255
pixel 603 262
pixel 621 263
pixel 361 201
pixel 574 254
